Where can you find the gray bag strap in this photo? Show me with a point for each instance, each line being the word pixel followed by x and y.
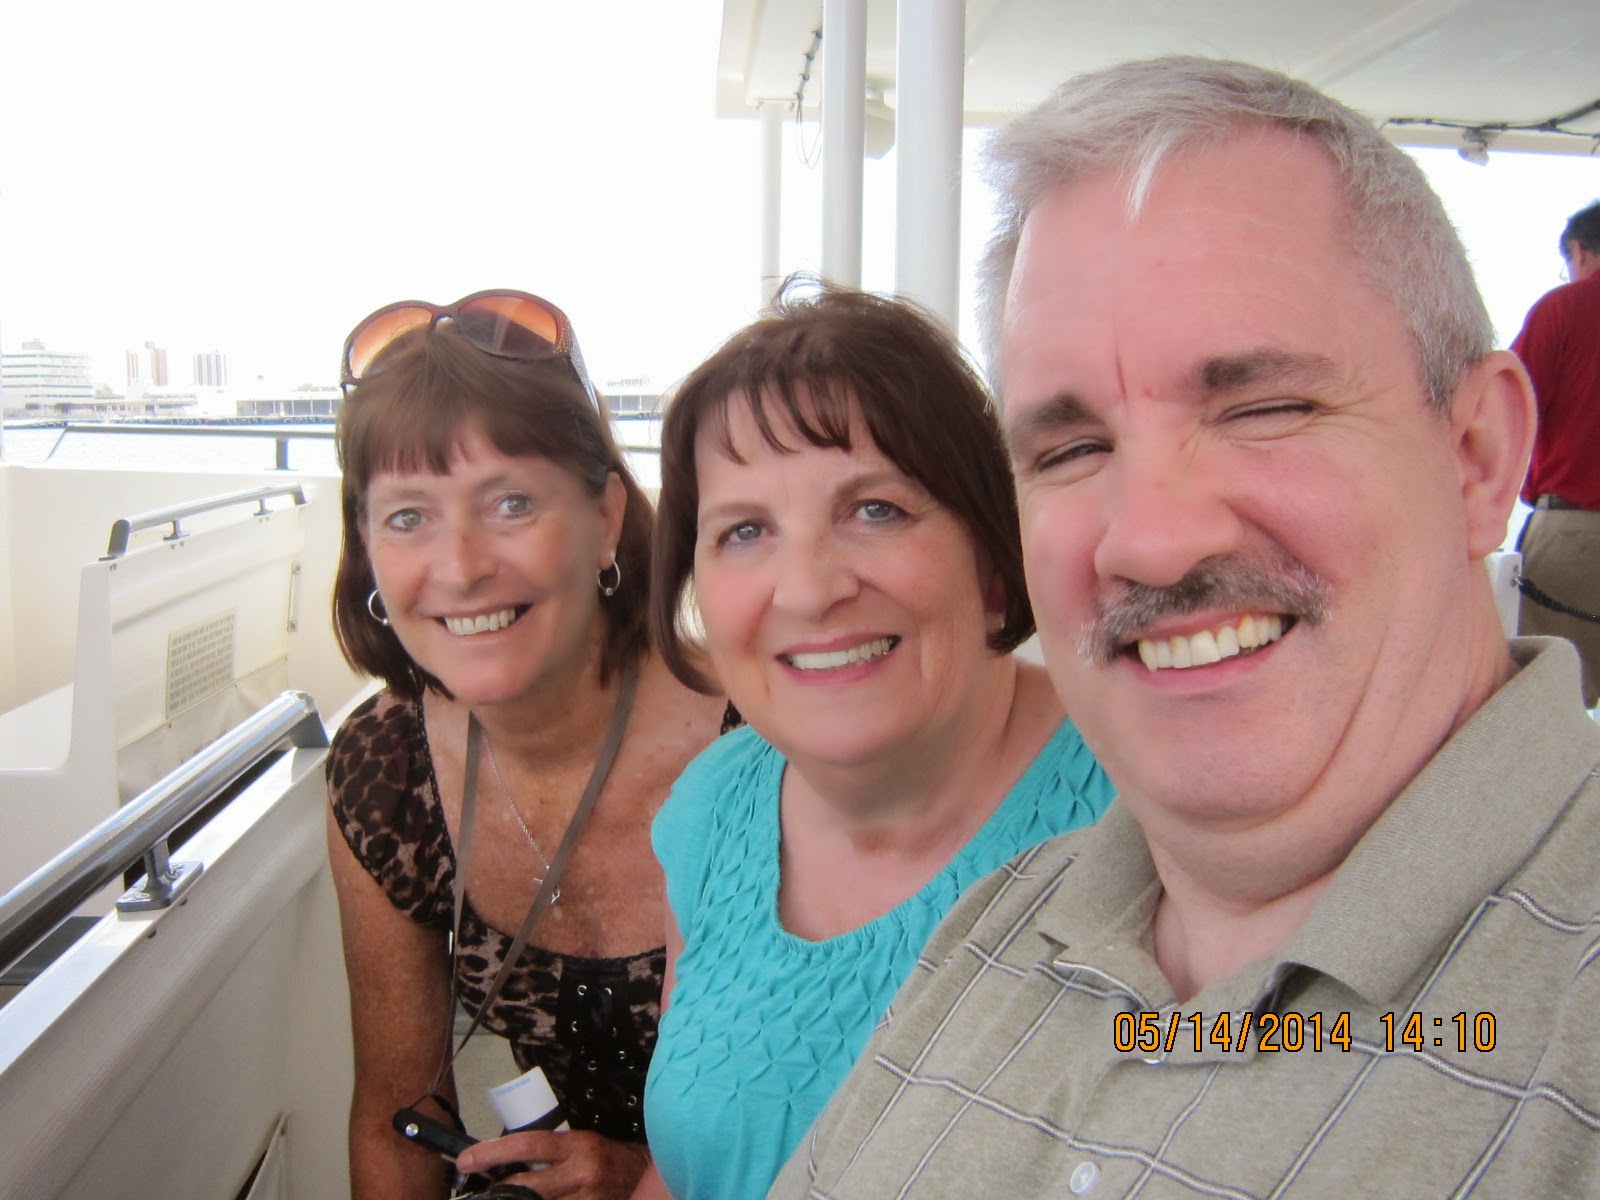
pixel 552 876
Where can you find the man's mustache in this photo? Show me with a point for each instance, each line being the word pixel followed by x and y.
pixel 1225 581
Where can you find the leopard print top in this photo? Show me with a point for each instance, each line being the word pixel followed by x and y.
pixel 590 1023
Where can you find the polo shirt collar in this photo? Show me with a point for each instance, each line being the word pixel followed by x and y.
pixel 1102 913
pixel 1472 816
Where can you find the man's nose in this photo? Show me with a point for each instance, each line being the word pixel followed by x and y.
pixel 1165 512
pixel 813 574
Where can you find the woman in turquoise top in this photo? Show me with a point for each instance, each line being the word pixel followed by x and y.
pixel 835 489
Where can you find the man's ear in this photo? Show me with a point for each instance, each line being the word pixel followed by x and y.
pixel 1584 263
pixel 1492 418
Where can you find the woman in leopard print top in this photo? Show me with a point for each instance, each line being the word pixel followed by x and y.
pixel 495 561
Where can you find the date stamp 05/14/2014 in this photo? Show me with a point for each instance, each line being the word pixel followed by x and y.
pixel 1291 1033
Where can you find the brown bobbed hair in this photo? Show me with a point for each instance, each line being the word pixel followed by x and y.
pixel 410 411
pixel 823 354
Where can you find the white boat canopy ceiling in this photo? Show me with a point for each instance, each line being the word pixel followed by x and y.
pixel 1430 70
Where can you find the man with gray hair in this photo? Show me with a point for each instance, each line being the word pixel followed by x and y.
pixel 1340 935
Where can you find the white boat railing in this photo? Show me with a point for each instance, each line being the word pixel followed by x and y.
pixel 200 1050
pixel 140 829
pixel 123 529
pixel 281 435
pixel 177 640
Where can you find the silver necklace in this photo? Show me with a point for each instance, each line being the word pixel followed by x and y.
pixel 517 813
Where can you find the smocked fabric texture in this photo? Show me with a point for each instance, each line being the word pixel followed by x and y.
pixel 762 1025
pixel 1432 1023
pixel 588 1023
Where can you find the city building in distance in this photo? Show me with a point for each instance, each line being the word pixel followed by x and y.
pixel 147 367
pixel 211 369
pixel 39 382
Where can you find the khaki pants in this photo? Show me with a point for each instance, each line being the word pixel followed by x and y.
pixel 1561 557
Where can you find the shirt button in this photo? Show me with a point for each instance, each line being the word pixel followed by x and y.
pixel 1084 1178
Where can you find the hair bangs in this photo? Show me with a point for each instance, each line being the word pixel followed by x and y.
pixel 413 427
pixel 819 411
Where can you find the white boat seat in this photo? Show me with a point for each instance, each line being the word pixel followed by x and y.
pixel 177 641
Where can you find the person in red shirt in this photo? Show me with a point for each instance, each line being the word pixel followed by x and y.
pixel 1560 346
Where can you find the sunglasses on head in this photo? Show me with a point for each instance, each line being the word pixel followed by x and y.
pixel 498 322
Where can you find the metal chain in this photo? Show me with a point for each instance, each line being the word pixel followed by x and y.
pixel 1542 598
pixel 517 813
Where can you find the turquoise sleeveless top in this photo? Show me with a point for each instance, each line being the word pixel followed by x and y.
pixel 762 1025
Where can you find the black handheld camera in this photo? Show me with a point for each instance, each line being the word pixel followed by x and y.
pixel 436 1136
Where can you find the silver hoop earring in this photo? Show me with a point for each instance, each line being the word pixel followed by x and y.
pixel 383 620
pixel 609 589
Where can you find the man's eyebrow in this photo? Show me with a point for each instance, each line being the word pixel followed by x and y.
pixel 1063 410
pixel 1235 372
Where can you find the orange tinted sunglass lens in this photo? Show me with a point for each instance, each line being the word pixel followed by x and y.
pixel 523 313
pixel 377 333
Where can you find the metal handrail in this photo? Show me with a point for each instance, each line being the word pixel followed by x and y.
pixel 281 436
pixel 140 828
pixel 126 527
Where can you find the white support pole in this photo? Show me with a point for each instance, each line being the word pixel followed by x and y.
pixel 772 115
pixel 844 103
pixel 929 77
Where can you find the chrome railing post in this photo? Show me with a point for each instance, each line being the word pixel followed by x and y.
pixel 164 881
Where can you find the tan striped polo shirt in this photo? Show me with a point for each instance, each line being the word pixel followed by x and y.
pixel 1433 1029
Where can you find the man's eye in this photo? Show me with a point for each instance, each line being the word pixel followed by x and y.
pixel 1073 455
pixel 1269 409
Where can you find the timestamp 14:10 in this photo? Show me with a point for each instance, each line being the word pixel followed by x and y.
pixel 1419 1033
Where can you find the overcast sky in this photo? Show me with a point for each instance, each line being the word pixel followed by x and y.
pixel 256 178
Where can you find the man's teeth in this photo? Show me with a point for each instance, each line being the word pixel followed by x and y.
pixel 828 660
pixel 1210 646
pixel 482 623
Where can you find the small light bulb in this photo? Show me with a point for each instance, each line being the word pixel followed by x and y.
pixel 1474 147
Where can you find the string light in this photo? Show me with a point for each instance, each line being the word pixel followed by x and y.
pixel 1474 146
pixel 808 157
pixel 1477 137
